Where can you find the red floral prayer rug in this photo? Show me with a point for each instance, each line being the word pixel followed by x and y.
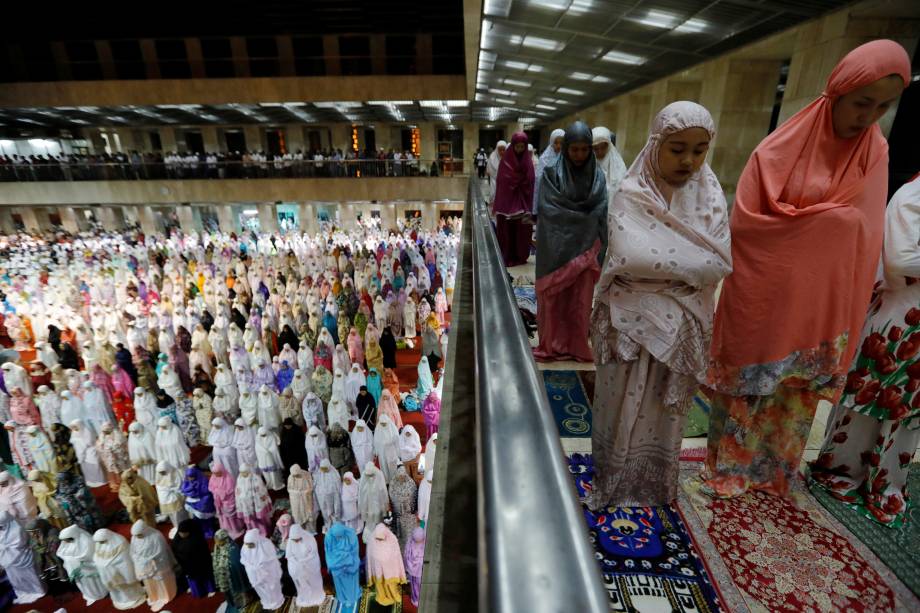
pixel 786 555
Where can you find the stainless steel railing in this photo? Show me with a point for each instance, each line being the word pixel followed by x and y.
pixel 534 551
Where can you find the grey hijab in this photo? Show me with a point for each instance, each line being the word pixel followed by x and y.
pixel 572 208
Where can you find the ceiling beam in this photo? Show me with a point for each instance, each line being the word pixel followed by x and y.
pixel 472 24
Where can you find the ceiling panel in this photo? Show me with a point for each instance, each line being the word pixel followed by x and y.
pixel 615 45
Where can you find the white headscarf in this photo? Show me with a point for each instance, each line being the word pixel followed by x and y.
pixel 112 558
pixel 613 165
pixel 547 158
pixel 170 445
pixel 149 551
pixel 316 447
pixel 409 444
pixel 142 449
pixel 251 493
pixel 261 562
pixel 304 567
pixel 362 443
pixel 386 446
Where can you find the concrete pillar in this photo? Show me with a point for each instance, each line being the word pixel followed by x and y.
pixel 106 216
pixel 308 223
pixel 253 135
pixel 341 136
pixel 147 219
pixel 189 221
pixel 268 217
pixel 168 138
pixel 226 218
pixel 429 216
pixel 389 216
pixel 29 219
pixel 293 136
pixel 470 145
pixel 6 220
pixel 69 219
pixel 211 141
pixel 428 143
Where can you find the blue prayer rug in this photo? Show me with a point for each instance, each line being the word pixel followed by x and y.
pixel 569 402
pixel 647 558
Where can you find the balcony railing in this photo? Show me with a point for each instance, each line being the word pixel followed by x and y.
pixel 275 169
pixel 504 512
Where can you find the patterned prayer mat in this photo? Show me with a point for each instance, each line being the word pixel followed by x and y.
pixel 698 417
pixel 569 401
pixel 526 296
pixel 898 548
pixel 771 554
pixel 647 558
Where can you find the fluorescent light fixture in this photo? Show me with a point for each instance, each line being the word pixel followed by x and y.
pixel 584 76
pixel 35 142
pixel 502 92
pixel 250 212
pixel 271 104
pixel 458 103
pixel 295 104
pixel 518 83
pixel 537 42
pixel 570 92
pixel 527 119
pixel 516 65
pixel 5 143
pixel 545 106
pixel 623 58
pixel 555 5
pixel 503 101
pixel 497 8
pixel 484 35
pixel 692 26
pixel 535 68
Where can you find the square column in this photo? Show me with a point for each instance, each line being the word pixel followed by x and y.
pixel 106 216
pixel 209 136
pixel 268 217
pixel 226 218
pixel 168 138
pixel 308 222
pixel 188 220
pixel 29 219
pixel 69 219
pixel 147 219
pixel 253 138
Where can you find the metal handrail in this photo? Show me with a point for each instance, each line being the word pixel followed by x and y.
pixel 534 550
pixel 140 170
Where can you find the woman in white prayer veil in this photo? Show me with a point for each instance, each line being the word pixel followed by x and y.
pixel 495 158
pixel 219 341
pixel 548 158
pixel 300 490
pixel 328 490
pixel 221 406
pixel 267 408
pixel 313 411
pixel 304 567
pixel 351 516
pixel 77 551
pixel 249 407
pixel 339 413
pixel 608 160
pixel 305 359
pixel 221 441
pixel 269 458
pixel 204 411
pixel 201 351
pixel 353 383
pixel 170 444
pixel 410 445
pixel 113 560
pixel 316 448
pixel 17 560
pixel 341 362
pixel 84 444
pixel 145 408
pixel 424 496
pixel 142 451
pixel 244 441
pixel 410 317
pixel 49 406
pixel 169 381
pixel 373 500
pixel 168 484
pixel 362 443
pixel 71 407
pixel 153 564
pixel 381 310
pixel 96 407
pixel 386 446
pixel 263 568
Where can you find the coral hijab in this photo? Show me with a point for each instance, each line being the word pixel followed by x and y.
pixel 807 230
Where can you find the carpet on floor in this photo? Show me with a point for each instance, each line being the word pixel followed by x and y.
pixel 647 559
pixel 569 402
pixel 772 554
pixel 898 548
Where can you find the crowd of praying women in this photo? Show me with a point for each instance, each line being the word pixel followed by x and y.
pixel 632 259
pixel 239 392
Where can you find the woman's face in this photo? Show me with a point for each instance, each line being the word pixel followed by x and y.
pixel 557 144
pixel 681 154
pixel 519 148
pixel 600 150
pixel 579 152
pixel 859 109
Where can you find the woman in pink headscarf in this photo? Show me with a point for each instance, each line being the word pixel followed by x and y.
pixel 223 487
pixel 652 318
pixel 513 201
pixel 807 227
pixel 103 381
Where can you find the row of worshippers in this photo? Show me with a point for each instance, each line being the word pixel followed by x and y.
pixel 241 507
pixel 634 263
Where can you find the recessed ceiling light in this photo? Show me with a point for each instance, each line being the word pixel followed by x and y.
pixel 497 8
pixel 518 83
pixel 537 42
pixel 502 92
pixel 623 58
pixel 516 65
pixel 570 92
pixel 545 106
pixel 692 26
pixel 503 101
pixel 584 76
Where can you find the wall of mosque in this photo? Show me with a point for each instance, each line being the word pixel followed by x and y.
pixel 250 90
pixel 740 88
pixel 233 190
